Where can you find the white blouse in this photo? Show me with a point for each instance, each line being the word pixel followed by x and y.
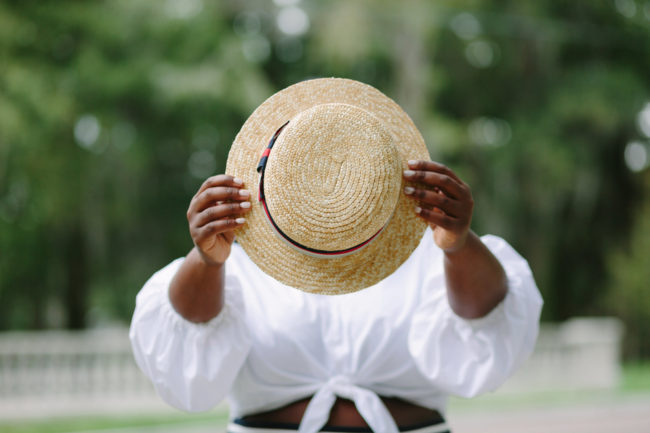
pixel 272 344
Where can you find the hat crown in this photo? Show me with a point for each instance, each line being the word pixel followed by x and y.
pixel 333 178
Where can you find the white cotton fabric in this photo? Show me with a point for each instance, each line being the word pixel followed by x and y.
pixel 272 345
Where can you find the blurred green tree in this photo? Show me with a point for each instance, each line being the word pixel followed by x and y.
pixel 549 103
pixel 113 112
pixel 111 115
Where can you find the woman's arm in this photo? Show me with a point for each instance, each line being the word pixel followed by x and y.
pixel 476 281
pixel 196 291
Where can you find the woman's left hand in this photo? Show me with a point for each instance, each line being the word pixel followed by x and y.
pixel 443 200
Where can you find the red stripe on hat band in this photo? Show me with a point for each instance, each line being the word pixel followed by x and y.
pixel 261 168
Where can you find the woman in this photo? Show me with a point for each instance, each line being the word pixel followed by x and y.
pixel 442 311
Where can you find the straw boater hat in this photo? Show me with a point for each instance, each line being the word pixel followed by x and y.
pixel 324 160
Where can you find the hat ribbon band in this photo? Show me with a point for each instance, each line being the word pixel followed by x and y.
pixel 302 248
pixel 265 155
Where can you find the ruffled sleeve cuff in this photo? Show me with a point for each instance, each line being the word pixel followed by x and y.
pixel 468 357
pixel 191 365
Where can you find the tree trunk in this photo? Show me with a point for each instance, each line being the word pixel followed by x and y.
pixel 76 289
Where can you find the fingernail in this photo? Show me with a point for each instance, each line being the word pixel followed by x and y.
pixel 418 209
pixel 412 162
pixel 244 192
pixel 237 181
pixel 240 220
pixel 408 190
pixel 408 173
pixel 245 204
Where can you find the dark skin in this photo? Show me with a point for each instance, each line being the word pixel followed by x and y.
pixel 476 281
pixel 196 291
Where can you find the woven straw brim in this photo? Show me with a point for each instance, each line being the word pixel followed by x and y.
pixel 339 275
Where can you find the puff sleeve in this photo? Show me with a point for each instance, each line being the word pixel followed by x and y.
pixel 192 366
pixel 468 357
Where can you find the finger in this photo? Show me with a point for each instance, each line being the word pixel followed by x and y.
pixel 214 195
pixel 220 180
pixel 422 165
pixel 447 184
pixel 218 212
pixel 200 235
pixel 437 218
pixel 212 182
pixel 431 199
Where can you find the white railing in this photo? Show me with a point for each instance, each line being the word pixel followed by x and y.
pixel 59 372
pixel 579 354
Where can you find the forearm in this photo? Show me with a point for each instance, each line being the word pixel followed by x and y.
pixel 476 281
pixel 197 290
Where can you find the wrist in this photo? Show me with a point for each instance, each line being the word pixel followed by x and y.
pixel 461 246
pixel 205 260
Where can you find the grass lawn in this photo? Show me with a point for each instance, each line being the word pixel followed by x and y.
pixel 635 382
pixel 636 377
pixel 113 423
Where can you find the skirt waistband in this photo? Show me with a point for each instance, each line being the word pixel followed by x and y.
pixel 240 426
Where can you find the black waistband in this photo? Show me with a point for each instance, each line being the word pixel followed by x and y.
pixel 335 429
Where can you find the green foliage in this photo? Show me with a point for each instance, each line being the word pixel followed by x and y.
pixel 101 117
pixel 555 182
pixel 113 112
pixel 629 296
pixel 141 422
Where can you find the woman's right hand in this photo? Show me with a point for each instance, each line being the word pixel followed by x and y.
pixel 214 212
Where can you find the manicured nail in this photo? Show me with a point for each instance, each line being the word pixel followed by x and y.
pixel 245 204
pixel 244 192
pixel 240 220
pixel 237 181
pixel 408 173
pixel 412 162
pixel 418 209
pixel 408 190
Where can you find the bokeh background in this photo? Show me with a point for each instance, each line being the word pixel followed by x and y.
pixel 113 112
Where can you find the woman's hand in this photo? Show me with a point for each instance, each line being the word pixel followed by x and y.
pixel 214 212
pixel 476 281
pixel 444 202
